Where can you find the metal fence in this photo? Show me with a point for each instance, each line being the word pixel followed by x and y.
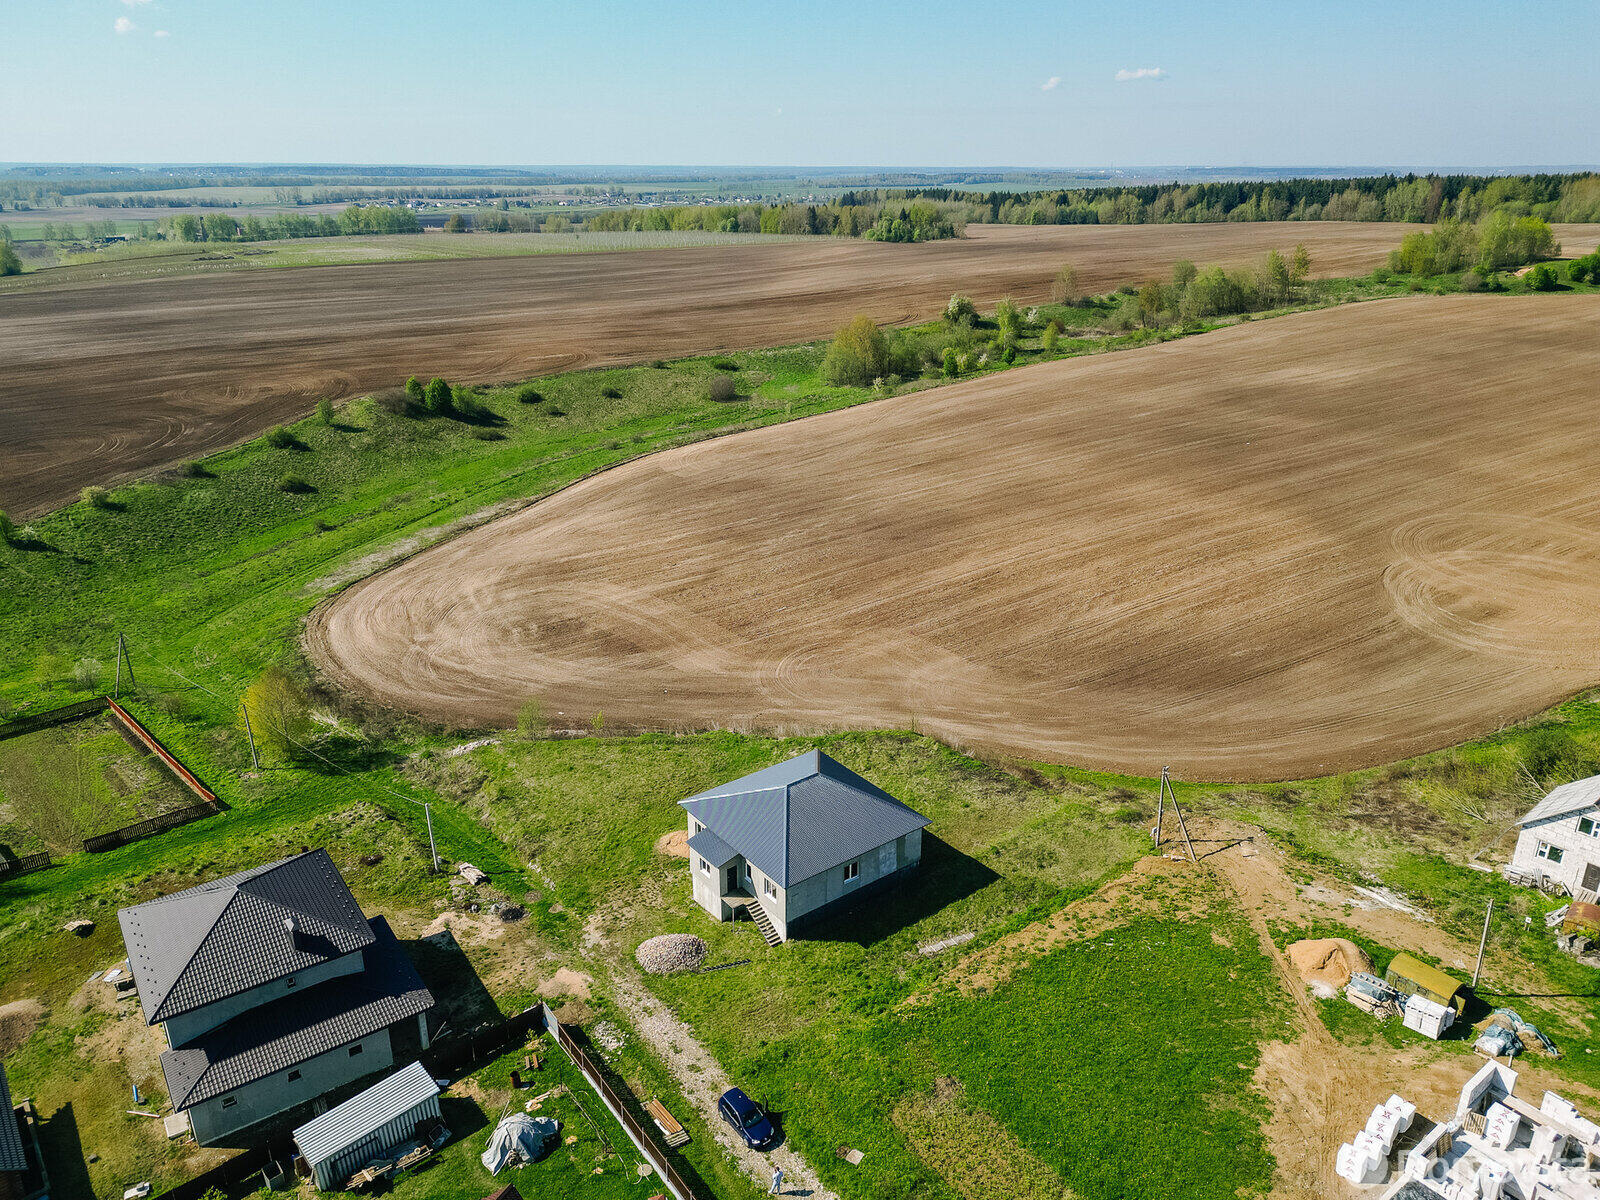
pixel 640 1134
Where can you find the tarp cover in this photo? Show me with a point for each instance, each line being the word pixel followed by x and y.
pixel 519 1139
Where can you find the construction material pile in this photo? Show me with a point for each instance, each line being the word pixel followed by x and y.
pixel 671 953
pixel 1326 964
pixel 1506 1033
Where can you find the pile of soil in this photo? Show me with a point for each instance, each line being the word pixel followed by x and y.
pixel 1326 964
pixel 671 953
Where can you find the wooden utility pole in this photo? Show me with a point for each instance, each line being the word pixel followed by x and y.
pixel 1166 794
pixel 427 811
pixel 1483 941
pixel 255 761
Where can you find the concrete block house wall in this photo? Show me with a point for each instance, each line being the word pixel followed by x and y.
pixel 799 839
pixel 1559 837
pixel 273 989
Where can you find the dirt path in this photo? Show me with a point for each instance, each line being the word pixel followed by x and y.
pixel 1292 547
pixel 109 379
pixel 703 1080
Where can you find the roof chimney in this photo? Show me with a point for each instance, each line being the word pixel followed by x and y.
pixel 292 928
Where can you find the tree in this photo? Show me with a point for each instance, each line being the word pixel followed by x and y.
pixel 280 716
pixel 325 411
pixel 949 363
pixel 1275 278
pixel 858 355
pixel 1542 278
pixel 1064 288
pixel 1300 265
pixel 10 261
pixel 1149 304
pixel 1183 272
pixel 440 399
pixel 961 310
pixel 456 224
pixel 1008 319
pixel 414 391
pixel 531 722
pixel 1051 335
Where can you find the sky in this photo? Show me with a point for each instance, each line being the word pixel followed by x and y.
pixel 1465 85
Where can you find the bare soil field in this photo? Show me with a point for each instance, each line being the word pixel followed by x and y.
pixel 1291 547
pixel 106 380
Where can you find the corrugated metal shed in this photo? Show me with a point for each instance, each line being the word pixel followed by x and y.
pixel 12 1155
pixel 384 1117
pixel 802 817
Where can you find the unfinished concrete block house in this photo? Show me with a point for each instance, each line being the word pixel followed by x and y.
pixel 1559 839
pixel 790 843
pixel 273 990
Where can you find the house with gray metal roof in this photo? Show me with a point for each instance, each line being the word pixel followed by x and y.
pixel 789 843
pixel 273 989
pixel 1558 840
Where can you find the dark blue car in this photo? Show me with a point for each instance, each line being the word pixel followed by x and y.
pixel 747 1119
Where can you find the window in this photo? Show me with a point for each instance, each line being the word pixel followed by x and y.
pixel 228 1102
pixel 705 867
pixel 355 1050
pixel 293 1075
pixel 1547 851
pixel 289 982
pixel 699 828
pixel 770 888
pixel 852 870
pixel 1589 825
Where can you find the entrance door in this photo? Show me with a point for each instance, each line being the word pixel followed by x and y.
pixel 733 877
pixel 1591 877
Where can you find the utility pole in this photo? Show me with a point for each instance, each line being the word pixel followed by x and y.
pixel 427 811
pixel 255 760
pixel 122 654
pixel 116 688
pixel 1161 805
pixel 1483 941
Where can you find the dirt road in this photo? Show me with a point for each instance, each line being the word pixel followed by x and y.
pixel 107 380
pixel 1292 547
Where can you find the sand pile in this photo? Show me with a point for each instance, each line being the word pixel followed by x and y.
pixel 1328 963
pixel 670 953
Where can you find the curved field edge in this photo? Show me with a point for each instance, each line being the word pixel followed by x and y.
pixel 1390 584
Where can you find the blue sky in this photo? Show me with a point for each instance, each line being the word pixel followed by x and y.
pixel 812 83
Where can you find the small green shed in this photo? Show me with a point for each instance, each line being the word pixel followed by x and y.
pixel 1413 977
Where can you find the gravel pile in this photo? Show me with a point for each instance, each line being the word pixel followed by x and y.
pixel 670 953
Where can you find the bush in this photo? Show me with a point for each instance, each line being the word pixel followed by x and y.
pixel 528 394
pixel 96 497
pixel 279 438
pixel 86 674
pixel 723 389
pixel 1008 319
pixel 439 397
pixel 951 365
pixel 1471 281
pixel 859 354
pixel 1585 269
pixel 659 364
pixel 960 310
pixel 414 391
pixel 531 722
pixel 1064 288
pixel 8 529
pixel 611 393
pixel 325 411
pixel 194 469
pixel 1542 278
pixel 396 401
pixel 725 364
pixel 1051 336
pixel 294 484
pixel 10 261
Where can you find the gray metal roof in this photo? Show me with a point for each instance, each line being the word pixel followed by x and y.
pixel 1569 798
pixel 12 1155
pixel 802 817
pixel 712 848
pixel 198 946
pixel 346 1124
pixel 300 1026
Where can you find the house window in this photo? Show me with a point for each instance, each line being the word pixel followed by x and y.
pixel 1547 851
pixel 1589 825
pixel 293 1075
pixel 289 982
pixel 852 870
pixel 228 1102
pixel 705 867
pixel 699 828
pixel 355 1050
pixel 770 889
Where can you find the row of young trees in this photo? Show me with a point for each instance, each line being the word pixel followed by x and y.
pixel 357 219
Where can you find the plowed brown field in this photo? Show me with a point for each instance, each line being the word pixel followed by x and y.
pixel 1290 547
pixel 106 380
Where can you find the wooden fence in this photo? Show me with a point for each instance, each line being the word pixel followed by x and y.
pixel 11 866
pixel 56 716
pixel 149 827
pixel 172 818
pixel 640 1134
pixel 150 742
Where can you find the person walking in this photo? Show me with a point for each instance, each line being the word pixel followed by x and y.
pixel 777 1182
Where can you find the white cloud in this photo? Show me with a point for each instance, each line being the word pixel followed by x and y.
pixel 161 33
pixel 1051 84
pixel 122 25
pixel 1127 74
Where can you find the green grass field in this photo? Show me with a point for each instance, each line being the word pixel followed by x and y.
pixel 857 1039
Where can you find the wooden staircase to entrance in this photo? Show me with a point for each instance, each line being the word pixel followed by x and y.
pixel 763 922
